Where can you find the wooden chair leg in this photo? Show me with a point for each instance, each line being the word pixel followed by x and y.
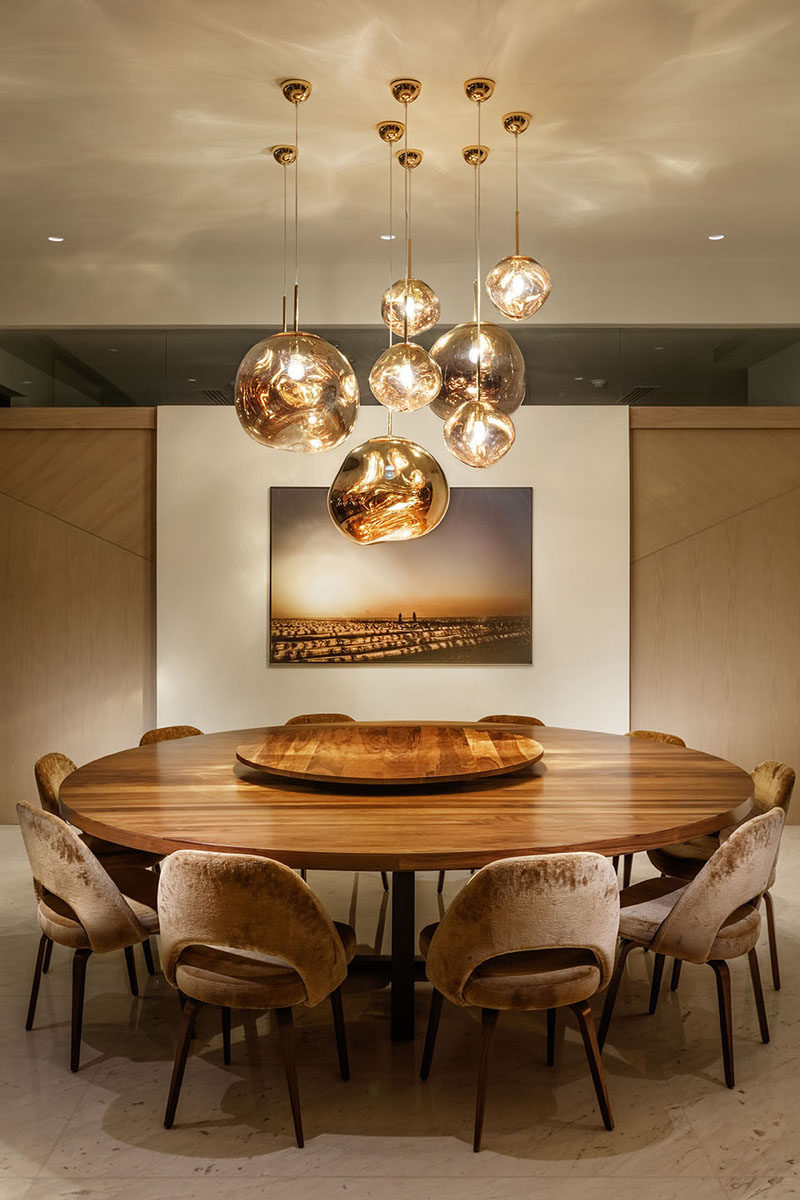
pixel 430 1033
pixel 191 1008
pixel 488 1025
pixel 286 1034
pixel 615 862
pixel 225 1014
pixel 583 1012
pixel 551 1036
pixel 304 874
pixel 44 942
pixel 48 954
pixel 341 1033
pixel 723 975
pixel 130 963
pixel 440 883
pixel 385 881
pixel 627 868
pixel 773 941
pixel 147 951
pixel 79 960
pixel 677 963
pixel 655 986
pixel 755 976
pixel 625 948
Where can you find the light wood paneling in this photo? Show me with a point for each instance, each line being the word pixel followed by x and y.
pixel 78 418
pixel 778 416
pixel 715 584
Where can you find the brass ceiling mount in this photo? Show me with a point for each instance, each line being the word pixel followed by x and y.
pixel 475 156
pixel 479 89
pixel 284 155
pixel 391 131
pixel 405 90
pixel 409 158
pixel 516 122
pixel 296 90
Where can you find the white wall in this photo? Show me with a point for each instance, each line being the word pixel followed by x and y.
pixel 213 555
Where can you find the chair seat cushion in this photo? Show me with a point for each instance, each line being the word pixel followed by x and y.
pixel 644 906
pixel 58 922
pixel 232 978
pixel 61 924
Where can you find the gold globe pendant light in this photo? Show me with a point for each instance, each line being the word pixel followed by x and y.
pixel 502 368
pixel 519 285
pixel 477 432
pixel 295 391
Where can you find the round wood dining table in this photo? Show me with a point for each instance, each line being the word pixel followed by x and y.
pixel 590 791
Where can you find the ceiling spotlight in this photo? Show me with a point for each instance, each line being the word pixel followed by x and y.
pixel 388 237
pixel 579 379
pixel 52 238
pixel 191 380
pixel 716 237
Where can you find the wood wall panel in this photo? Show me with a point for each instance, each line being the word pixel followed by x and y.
pixel 715 638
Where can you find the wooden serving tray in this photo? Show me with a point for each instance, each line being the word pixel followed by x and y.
pixel 401 752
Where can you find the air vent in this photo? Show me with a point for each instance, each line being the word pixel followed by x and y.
pixel 638 393
pixel 217 396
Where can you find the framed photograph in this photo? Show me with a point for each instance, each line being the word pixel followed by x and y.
pixel 461 594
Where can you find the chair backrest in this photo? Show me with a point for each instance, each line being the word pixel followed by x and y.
pixel 50 771
pixel 773 782
pixel 63 865
pixel 319 719
pixel 737 872
pixel 168 733
pixel 246 902
pixel 509 719
pixel 652 735
pixel 542 902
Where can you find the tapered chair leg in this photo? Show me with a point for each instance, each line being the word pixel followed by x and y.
pixel 286 1034
pixel 44 942
pixel 130 963
pixel 723 975
pixel 225 1014
pixel 430 1034
pixel 341 1033
pixel 191 1008
pixel 79 961
pixel 48 954
pixel 551 1036
pixel 440 882
pixel 773 941
pixel 627 868
pixel 655 986
pixel 147 951
pixel 385 881
pixel 304 874
pixel 615 862
pixel 677 963
pixel 755 976
pixel 583 1012
pixel 625 948
pixel 488 1025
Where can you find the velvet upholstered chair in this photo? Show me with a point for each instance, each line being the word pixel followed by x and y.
pixel 526 934
pixel 168 733
pixel 711 919
pixel 240 931
pixel 646 735
pixel 82 905
pixel 773 783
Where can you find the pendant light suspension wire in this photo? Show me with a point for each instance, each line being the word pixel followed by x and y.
pixel 296 213
pixel 285 242
pixel 516 189
pixel 407 207
pixel 478 255
pixel 391 262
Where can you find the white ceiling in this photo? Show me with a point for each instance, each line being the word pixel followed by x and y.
pixel 136 131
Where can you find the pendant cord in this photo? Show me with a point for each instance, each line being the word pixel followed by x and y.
pixel 391 265
pixel 407 208
pixel 478 257
pixel 285 242
pixel 516 189
pixel 296 215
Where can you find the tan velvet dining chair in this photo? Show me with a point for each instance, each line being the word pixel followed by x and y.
pixel 240 931
pixel 169 733
pixel 773 783
pixel 494 719
pixel 526 934
pixel 711 919
pixel 647 735
pixel 83 906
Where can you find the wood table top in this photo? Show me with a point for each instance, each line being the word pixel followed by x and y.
pixel 591 791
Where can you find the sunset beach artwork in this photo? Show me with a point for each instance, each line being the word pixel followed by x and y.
pixel 461 594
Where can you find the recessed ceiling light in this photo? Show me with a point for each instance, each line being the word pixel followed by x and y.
pixel 716 237
pixel 26 383
pixel 53 238
pixel 388 237
pixel 579 379
pixel 658 347
pixel 192 380
pixel 113 350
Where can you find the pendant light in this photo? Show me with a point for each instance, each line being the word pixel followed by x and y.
pixel 295 391
pixel 477 432
pixel 518 286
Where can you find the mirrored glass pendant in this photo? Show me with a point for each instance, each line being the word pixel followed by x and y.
pixel 421 304
pixel 388 490
pixel 295 391
pixel 518 286
pixel 405 378
pixel 479 434
pixel 502 368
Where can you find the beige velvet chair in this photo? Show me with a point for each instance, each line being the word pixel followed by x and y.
pixel 240 931
pixel 526 934
pixel 711 919
pixel 773 783
pixel 83 906
pixel 169 733
pixel 647 735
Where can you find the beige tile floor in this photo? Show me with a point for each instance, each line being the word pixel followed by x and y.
pixel 384 1135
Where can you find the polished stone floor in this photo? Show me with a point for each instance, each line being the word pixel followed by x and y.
pixel 680 1132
